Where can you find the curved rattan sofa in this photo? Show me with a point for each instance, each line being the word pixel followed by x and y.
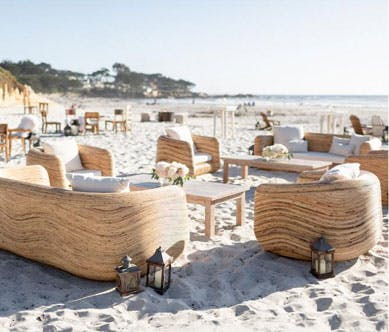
pixel 91 158
pixel 289 217
pixel 87 234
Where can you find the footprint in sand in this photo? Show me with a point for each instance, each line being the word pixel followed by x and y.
pixel 361 288
pixel 334 322
pixel 243 309
pixel 323 303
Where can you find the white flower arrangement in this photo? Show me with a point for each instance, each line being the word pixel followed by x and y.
pixel 175 173
pixel 276 151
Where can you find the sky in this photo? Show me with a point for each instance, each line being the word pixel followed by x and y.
pixel 223 46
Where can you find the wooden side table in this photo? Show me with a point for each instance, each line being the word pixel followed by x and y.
pixel 207 194
pixel 282 165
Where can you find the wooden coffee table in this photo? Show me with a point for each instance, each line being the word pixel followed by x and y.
pixel 283 165
pixel 207 194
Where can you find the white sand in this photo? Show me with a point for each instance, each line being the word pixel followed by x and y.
pixel 223 284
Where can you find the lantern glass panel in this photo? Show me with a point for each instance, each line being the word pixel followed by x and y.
pixel 166 276
pixel 314 262
pixel 328 258
pixel 151 274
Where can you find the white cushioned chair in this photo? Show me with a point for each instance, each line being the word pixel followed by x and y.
pixel 201 154
pixel 64 158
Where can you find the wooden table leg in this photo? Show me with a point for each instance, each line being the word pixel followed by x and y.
pixel 240 204
pixel 225 172
pixel 209 220
pixel 244 171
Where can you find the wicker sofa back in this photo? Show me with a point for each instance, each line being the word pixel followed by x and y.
pixel 87 234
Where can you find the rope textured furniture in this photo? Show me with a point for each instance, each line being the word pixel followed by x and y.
pixel 87 234
pixel 316 142
pixel 377 163
pixel 91 158
pixel 170 150
pixel 289 217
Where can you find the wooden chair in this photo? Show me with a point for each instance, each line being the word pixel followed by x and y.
pixel 28 107
pixel 46 123
pixel 4 141
pixel 378 126
pixel 169 149
pixel 269 123
pixel 120 118
pixel 87 234
pixel 358 128
pixel 92 158
pixel 91 122
pixel 289 217
pixel 20 134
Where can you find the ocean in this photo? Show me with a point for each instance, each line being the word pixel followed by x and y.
pixel 380 101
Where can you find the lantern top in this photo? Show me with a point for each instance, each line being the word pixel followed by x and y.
pixel 126 265
pixel 321 245
pixel 160 258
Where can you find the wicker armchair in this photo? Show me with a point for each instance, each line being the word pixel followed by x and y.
pixel 170 150
pixel 87 234
pixel 316 142
pixel 289 217
pixel 91 158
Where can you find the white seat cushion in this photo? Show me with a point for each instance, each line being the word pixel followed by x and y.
pixel 298 145
pixel 67 151
pixel 341 172
pixel 285 134
pixel 99 184
pixel 200 158
pixel 84 171
pixel 181 133
pixel 321 156
pixel 28 122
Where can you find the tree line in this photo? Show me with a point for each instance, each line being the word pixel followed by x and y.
pixel 119 81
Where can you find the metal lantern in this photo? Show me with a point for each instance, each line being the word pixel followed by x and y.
pixel 67 130
pixel 128 277
pixel 322 259
pixel 159 271
pixel 75 127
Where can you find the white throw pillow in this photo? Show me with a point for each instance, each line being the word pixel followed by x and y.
pixel 357 141
pixel 67 151
pixel 99 184
pixel 28 122
pixel 341 146
pixel 342 172
pixel 181 133
pixel 298 145
pixel 285 134
pixel 85 171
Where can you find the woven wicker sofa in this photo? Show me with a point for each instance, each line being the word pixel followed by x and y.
pixel 289 217
pixel 318 146
pixel 92 158
pixel 169 149
pixel 87 234
pixel 377 163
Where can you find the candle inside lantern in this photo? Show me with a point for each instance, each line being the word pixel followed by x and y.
pixel 158 279
pixel 322 265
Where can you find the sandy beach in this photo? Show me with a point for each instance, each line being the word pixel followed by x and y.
pixel 220 284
